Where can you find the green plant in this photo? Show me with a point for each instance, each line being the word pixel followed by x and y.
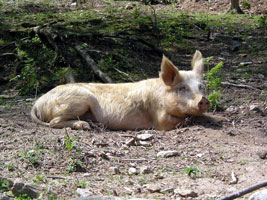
pixel 39 179
pixel 142 181
pixel 74 166
pixel 10 167
pixel 193 172
pixel 22 197
pixel 31 156
pixel 214 80
pixel 39 145
pixel 29 76
pixel 69 142
pixel 4 185
pixel 83 184
pixel 245 4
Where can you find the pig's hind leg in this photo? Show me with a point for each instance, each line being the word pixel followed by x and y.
pixel 58 122
pixel 71 116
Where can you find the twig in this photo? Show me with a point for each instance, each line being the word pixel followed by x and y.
pixel 135 160
pixel 155 24
pixel 89 61
pixel 58 177
pixel 245 191
pixel 234 178
pixel 239 85
pixel 124 73
pixel 12 54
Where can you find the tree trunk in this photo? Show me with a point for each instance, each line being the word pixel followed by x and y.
pixel 235 7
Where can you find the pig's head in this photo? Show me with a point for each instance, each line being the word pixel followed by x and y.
pixel 183 93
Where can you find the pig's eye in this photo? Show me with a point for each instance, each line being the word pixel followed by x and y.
pixel 183 89
pixel 200 87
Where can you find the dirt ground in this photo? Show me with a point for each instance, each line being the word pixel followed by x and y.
pixel 213 151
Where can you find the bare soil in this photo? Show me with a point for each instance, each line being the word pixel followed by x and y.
pixel 213 147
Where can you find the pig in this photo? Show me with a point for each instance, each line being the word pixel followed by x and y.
pixel 160 103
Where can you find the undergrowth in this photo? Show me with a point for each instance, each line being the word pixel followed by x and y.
pixel 214 79
pixel 41 67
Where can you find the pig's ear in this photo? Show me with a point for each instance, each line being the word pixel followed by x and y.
pixel 198 63
pixel 169 73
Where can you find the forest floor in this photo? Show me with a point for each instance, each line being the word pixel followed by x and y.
pixel 212 152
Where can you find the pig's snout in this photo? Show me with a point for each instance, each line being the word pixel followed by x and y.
pixel 203 104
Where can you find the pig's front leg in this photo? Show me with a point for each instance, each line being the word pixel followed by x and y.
pixel 168 122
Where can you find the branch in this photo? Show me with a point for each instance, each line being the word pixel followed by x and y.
pixel 90 62
pixel 124 73
pixel 245 191
pixel 12 54
pixel 239 85
pixel 55 41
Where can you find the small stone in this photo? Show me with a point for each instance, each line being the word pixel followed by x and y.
pixel 84 192
pixel 143 143
pixel 166 154
pixel 6 197
pixel 145 136
pixel 32 191
pixel 254 107
pixel 186 193
pixel 132 171
pixel 243 55
pixel 169 190
pixel 262 154
pixel 129 6
pixel 130 142
pixel 261 195
pixel 225 53
pixel 73 4
pixel 146 170
pixel 245 63
pixel 231 189
pixel 152 188
pixel 199 155
pixel 261 76
pixel 231 109
pixel 115 170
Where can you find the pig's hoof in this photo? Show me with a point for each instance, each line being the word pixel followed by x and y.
pixel 81 125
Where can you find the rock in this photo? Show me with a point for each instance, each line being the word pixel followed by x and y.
pixel 73 4
pixel 84 192
pixel 261 76
pixel 129 6
pixel 130 142
pixel 235 45
pixel 146 170
pixel 245 63
pixel 145 136
pixel 152 188
pixel 231 189
pixel 32 191
pixel 3 196
pixel 143 143
pixel 186 193
pixel 115 170
pixel 231 109
pixel 261 195
pixel 166 154
pixel 132 171
pixel 262 154
pixel 169 190
pixel 225 53
pixel 254 107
